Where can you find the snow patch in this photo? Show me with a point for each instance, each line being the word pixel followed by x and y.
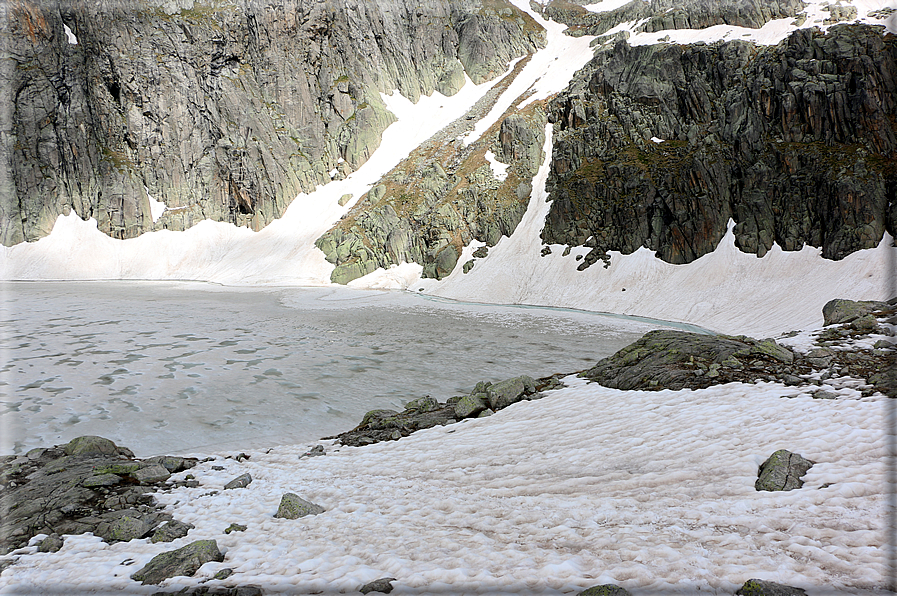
pixel 70 36
pixel 157 208
pixel 657 139
pixel 499 170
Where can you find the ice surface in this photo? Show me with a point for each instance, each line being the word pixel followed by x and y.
pixel 164 367
pixel 69 35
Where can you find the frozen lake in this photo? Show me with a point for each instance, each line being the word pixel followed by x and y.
pixel 165 367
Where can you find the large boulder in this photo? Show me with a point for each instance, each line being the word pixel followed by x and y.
pixel 844 311
pixel 92 445
pixel 183 561
pixel 666 359
pixel 605 590
pixel 503 394
pixel 293 506
pixel 783 470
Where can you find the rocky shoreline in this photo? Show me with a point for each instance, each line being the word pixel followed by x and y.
pixel 92 485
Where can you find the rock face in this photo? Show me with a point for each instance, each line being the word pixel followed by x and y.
pixel 221 110
pixel 87 485
pixel 794 142
pixel 782 471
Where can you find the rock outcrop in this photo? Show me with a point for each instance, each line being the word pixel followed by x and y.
pixel 183 561
pixel 88 485
pixel 794 142
pixel 221 110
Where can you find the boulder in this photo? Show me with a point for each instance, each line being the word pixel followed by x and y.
pixel 241 481
pixel 127 528
pixel 152 474
pixel 759 587
pixel 183 561
pixel 382 585
pixel 171 530
pixel 293 506
pixel 505 393
pixel 471 405
pixel 235 528
pixel 50 544
pixel 91 445
pixel 844 311
pixel 782 471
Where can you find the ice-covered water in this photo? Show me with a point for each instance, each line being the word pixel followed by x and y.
pixel 165 367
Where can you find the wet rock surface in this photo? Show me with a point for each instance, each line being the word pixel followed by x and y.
pixel 87 485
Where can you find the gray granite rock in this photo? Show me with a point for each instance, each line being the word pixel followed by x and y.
pixel 759 587
pixel 380 586
pixel 171 530
pixel 844 311
pixel 293 506
pixel 782 471
pixel 183 561
pixel 241 481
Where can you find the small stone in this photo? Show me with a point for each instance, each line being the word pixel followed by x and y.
pixel 293 506
pixel 235 528
pixel 183 561
pixel 382 585
pixel 171 530
pixel 50 544
pixel 823 394
pixel 486 413
pixel 241 481
pixel 315 451
pixel 224 573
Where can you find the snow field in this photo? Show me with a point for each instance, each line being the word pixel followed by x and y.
pixel 649 490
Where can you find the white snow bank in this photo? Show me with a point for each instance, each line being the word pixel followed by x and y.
pixel 607 5
pixel 157 208
pixel 648 490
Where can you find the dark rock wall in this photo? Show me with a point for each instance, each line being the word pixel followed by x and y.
pixel 223 110
pixel 795 142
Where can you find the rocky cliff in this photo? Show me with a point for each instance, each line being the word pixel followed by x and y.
pixel 794 142
pixel 221 110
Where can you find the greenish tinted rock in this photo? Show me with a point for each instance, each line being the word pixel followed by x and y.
pixel 183 561
pixel 471 405
pixel 864 324
pixel 344 199
pixel 128 528
pixel 171 530
pixel 481 252
pixel 486 413
pixel 782 471
pixel 604 590
pixel 422 404
pixel 774 350
pixel 468 266
pixel 759 587
pixel 101 480
pixel 90 445
pixel 510 391
pixel 173 463
pixel 452 78
pixel 235 528
pixel 844 311
pixel 446 260
pixel 50 544
pixel 293 506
